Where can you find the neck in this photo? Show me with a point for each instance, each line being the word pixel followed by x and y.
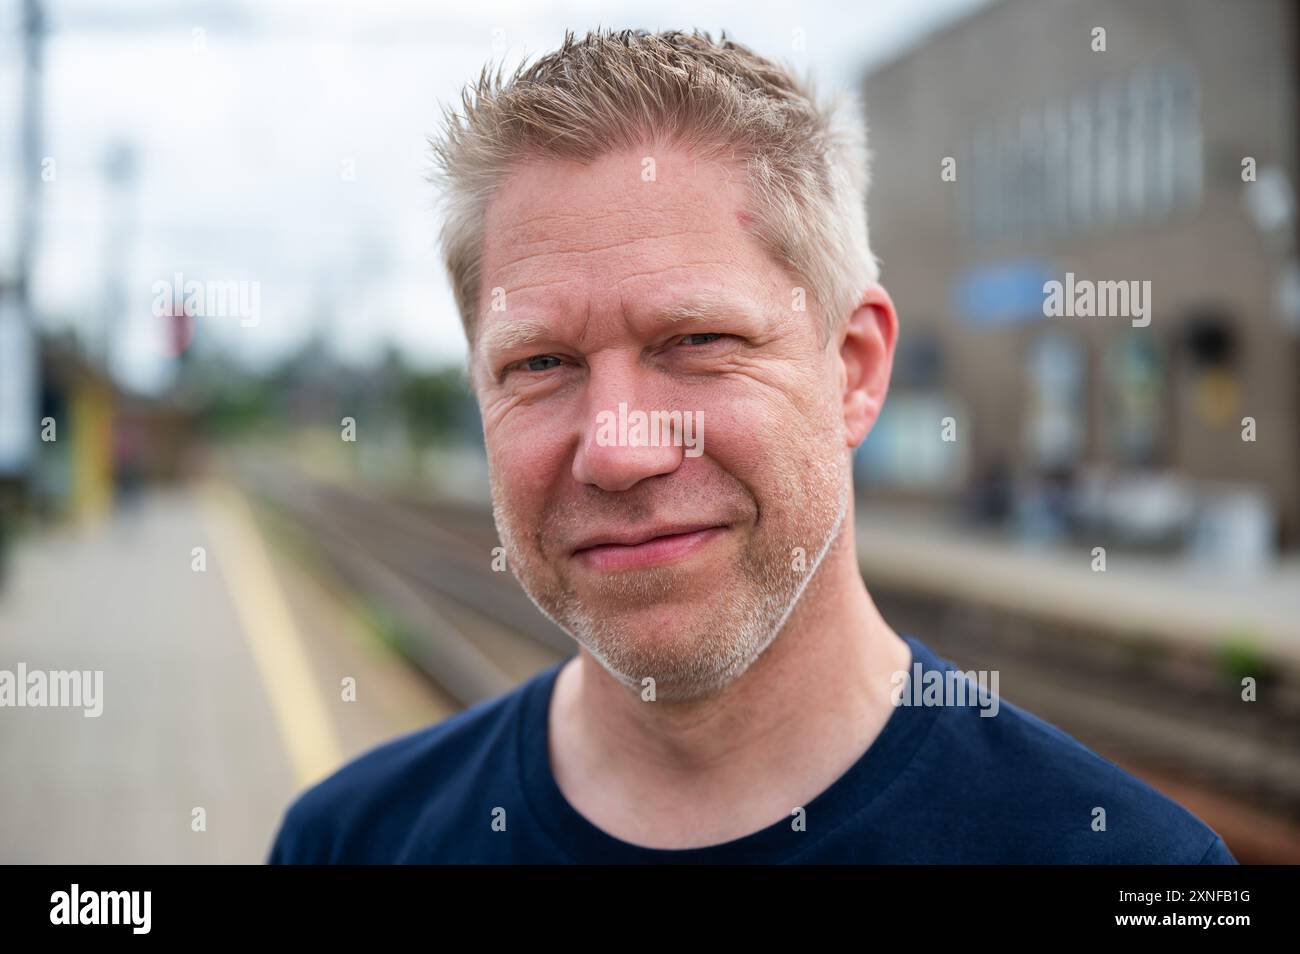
pixel 652 773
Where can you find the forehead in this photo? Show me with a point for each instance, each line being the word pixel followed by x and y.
pixel 630 229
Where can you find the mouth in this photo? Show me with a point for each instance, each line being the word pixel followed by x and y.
pixel 635 550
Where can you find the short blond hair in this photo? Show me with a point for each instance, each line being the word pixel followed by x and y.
pixel 807 163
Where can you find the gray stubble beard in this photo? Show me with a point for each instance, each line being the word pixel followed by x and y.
pixel 719 648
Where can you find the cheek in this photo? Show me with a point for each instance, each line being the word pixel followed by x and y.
pixel 757 439
pixel 781 447
pixel 815 410
pixel 527 462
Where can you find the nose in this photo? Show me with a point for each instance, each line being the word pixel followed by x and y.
pixel 625 439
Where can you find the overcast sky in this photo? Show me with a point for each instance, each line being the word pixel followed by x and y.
pixel 244 118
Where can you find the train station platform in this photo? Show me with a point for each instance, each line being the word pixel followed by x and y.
pixel 1150 597
pixel 223 686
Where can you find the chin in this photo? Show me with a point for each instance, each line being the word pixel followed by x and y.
pixel 687 653
pixel 681 617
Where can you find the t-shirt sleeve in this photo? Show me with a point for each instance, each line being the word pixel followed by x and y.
pixel 1218 854
pixel 282 846
pixel 296 842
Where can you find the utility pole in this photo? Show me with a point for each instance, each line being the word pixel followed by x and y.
pixel 30 178
pixel 19 386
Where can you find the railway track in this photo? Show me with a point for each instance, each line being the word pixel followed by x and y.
pixel 426 561
pixel 422 574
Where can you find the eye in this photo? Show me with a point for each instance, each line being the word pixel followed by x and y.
pixel 538 362
pixel 695 339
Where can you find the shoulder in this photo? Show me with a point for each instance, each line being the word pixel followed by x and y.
pixel 1042 796
pixel 366 810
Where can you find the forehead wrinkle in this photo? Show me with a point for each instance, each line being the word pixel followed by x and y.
pixel 525 216
pixel 524 250
pixel 529 226
pixel 528 253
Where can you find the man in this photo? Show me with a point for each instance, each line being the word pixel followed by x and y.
pixel 660 227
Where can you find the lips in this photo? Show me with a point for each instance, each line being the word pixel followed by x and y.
pixel 634 548
pixel 630 537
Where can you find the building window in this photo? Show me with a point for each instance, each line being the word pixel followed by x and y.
pixel 1112 154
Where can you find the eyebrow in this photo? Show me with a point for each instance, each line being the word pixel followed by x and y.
pixel 692 311
pixel 512 335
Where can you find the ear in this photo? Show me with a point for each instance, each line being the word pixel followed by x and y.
pixel 867 357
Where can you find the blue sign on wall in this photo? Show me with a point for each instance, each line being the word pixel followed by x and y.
pixel 1010 293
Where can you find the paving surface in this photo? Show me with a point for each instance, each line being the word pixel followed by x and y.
pixel 223 689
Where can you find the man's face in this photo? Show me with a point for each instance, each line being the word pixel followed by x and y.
pixel 601 286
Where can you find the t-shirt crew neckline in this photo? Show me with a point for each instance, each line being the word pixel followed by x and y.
pixel 851 793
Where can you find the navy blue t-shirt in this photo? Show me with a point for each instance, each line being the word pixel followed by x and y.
pixel 940 784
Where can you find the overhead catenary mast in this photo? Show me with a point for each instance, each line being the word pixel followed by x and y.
pixel 18 366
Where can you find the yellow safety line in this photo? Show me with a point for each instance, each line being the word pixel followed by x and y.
pixel 272 636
